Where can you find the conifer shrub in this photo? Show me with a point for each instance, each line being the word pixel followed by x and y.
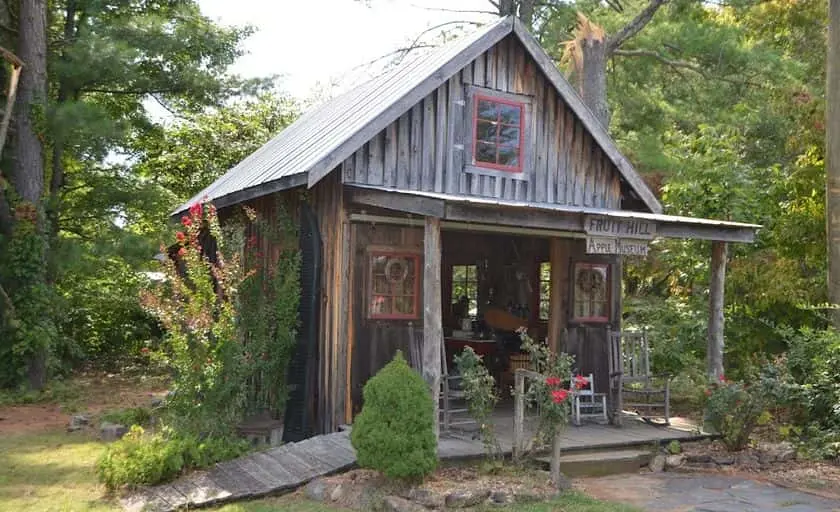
pixel 394 433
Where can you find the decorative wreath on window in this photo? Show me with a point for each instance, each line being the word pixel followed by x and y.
pixel 590 280
pixel 396 270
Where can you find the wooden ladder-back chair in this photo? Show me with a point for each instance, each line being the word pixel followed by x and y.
pixel 586 403
pixel 453 408
pixel 633 386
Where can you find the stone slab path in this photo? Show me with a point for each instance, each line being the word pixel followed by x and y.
pixel 701 492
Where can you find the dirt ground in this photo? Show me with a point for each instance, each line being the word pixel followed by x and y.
pixel 89 393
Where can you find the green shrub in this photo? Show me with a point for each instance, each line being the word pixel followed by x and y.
pixel 480 391
pixel 733 410
pixel 139 459
pixel 394 433
pixel 131 416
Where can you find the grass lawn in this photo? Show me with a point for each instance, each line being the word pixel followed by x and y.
pixel 54 471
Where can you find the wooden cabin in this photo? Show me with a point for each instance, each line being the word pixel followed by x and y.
pixel 469 180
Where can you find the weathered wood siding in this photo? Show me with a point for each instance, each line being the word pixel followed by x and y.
pixel 330 407
pixel 427 147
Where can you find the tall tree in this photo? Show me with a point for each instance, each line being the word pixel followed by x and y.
pixel 832 156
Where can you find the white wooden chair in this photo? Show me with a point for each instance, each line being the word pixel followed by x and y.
pixel 586 403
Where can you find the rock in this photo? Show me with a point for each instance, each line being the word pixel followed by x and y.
pixel 657 464
pixel 78 422
pixel 698 457
pixel 564 484
pixel 776 452
pixel 397 504
pixel 674 461
pixel 501 497
pixel 156 402
pixel 466 498
pixel 316 490
pixel 724 460
pixel 112 431
pixel 337 493
pixel 425 497
pixel 747 460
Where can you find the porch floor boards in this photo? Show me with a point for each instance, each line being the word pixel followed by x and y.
pixel 290 466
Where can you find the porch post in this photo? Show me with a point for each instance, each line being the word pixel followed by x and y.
pixel 432 321
pixel 714 350
pixel 559 260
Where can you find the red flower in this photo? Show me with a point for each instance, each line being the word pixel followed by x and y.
pixel 722 379
pixel 180 236
pixel 182 252
pixel 186 221
pixel 558 396
pixel 144 350
pixel 195 210
pixel 708 392
pixel 552 382
pixel 252 241
pixel 581 382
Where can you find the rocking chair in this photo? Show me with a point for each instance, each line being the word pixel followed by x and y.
pixel 632 384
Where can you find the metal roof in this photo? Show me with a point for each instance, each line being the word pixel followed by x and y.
pixel 311 147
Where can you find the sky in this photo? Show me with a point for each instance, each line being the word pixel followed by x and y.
pixel 315 43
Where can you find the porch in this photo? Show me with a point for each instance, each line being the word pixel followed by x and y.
pixel 634 433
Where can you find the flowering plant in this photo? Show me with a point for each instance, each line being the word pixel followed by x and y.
pixel 550 396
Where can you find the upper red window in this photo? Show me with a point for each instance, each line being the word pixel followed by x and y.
pixel 498 133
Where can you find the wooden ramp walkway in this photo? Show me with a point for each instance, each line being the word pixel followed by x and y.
pixel 290 466
pixel 272 471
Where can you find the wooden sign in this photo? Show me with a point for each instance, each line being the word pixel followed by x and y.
pixel 622 246
pixel 599 225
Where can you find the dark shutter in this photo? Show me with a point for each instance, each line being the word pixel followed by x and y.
pixel 299 420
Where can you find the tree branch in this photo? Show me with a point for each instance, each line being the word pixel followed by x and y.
pixel 443 9
pixel 633 28
pixel 8 300
pixel 440 25
pixel 681 64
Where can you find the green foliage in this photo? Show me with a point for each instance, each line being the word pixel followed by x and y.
pixel 674 447
pixel 480 390
pixel 394 433
pixel 140 459
pixel 221 352
pixel 27 329
pixel 550 397
pixel 734 410
pixel 132 416
pixel 268 309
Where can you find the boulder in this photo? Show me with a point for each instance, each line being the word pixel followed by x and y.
pixel 776 452
pixel 426 497
pixel 674 461
pixel 78 422
pixel 466 498
pixel 698 457
pixel 501 497
pixel 112 431
pixel 337 493
pixel 747 460
pixel 317 490
pixel 397 504
pixel 657 463
pixel 724 460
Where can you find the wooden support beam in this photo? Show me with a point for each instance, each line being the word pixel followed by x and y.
pixel 399 202
pixel 558 309
pixel 432 322
pixel 714 350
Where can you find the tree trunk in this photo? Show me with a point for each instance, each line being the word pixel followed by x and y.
pixel 832 157
pixel 28 168
pixel 592 78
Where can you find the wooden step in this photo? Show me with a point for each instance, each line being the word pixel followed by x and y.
pixel 600 463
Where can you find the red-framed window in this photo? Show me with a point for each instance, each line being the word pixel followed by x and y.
pixel 394 286
pixel 498 133
pixel 591 292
